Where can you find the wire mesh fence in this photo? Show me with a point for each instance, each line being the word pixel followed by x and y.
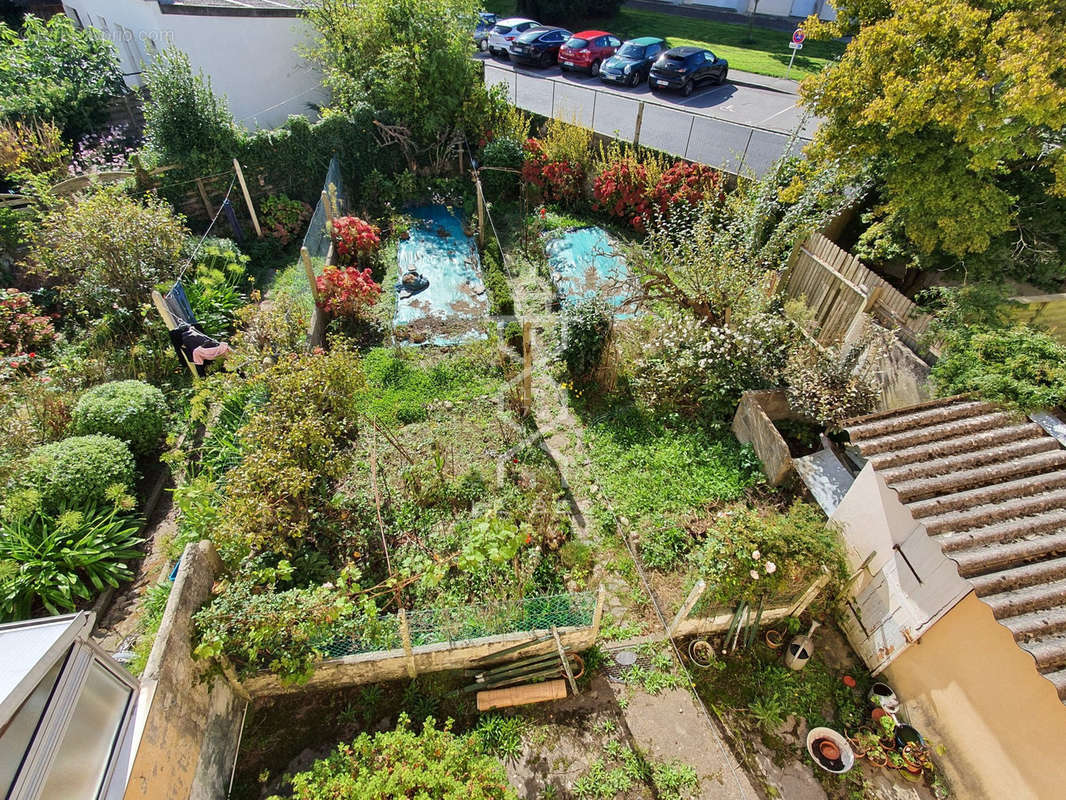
pixel 317 238
pixel 461 623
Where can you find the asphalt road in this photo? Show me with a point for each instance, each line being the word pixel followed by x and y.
pixel 743 124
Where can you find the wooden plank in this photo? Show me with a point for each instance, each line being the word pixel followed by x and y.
pixel 565 660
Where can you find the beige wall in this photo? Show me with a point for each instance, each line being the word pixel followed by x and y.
pixel 968 686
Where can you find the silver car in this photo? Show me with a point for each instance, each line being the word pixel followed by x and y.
pixel 506 31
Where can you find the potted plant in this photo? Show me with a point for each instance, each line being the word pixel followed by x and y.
pixel 911 755
pixel 701 652
pixel 876 754
pixel 865 743
pixel 774 638
pixel 887 730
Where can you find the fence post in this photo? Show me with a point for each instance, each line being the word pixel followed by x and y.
pixel 480 212
pixel 686 608
pixel 597 615
pixel 639 122
pixel 808 596
pixel 872 298
pixel 408 651
pixel 327 208
pixel 203 197
pixel 247 198
pixel 527 367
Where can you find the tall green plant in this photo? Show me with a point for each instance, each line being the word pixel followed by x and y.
pixel 55 561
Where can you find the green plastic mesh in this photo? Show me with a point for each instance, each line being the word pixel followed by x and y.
pixel 437 625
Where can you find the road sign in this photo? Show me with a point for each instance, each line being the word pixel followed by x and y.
pixel 796 45
pixel 799 36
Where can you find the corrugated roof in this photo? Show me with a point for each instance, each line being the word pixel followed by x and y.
pixel 990 488
pixel 238 5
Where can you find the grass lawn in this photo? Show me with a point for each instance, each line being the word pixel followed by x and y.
pixel 764 52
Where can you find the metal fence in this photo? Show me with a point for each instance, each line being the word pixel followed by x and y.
pixel 317 238
pixel 730 146
pixel 463 623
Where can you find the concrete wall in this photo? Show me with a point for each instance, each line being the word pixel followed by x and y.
pixel 904 379
pixel 969 687
pixel 753 423
pixel 188 723
pixel 253 60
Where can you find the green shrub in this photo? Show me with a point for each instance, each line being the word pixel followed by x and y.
pixel 1019 367
pixel 401 763
pixel 584 333
pixel 662 546
pixel 77 472
pixel 507 154
pixel 54 561
pixel 501 301
pixel 132 411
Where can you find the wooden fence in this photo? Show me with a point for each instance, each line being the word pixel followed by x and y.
pixel 839 290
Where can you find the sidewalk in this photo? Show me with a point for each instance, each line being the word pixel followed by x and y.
pixel 784 85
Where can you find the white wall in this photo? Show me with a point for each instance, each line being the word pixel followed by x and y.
pixel 251 60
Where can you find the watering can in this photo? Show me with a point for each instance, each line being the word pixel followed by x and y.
pixel 799 650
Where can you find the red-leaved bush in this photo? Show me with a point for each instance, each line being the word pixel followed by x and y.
pixel 621 190
pixel 23 329
pixel 558 181
pixel 346 291
pixel 686 182
pixel 355 239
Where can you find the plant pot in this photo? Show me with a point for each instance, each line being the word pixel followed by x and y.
pixel 881 694
pixel 774 638
pixel 830 750
pixel 888 744
pixel 907 734
pixel 701 653
pixel 908 775
pixel 879 712
pixel 878 761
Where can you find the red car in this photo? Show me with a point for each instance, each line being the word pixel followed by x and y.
pixel 587 50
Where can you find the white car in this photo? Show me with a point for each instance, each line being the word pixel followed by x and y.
pixel 506 31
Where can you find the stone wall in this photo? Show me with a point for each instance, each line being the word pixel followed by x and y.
pixel 188 723
pixel 754 424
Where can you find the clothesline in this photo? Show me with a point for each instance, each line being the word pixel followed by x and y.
pixel 203 238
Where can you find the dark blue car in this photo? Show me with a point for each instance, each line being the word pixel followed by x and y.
pixel 631 64
pixel 485 21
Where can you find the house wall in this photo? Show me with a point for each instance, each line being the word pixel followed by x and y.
pixel 252 60
pixel 969 687
pixel 907 583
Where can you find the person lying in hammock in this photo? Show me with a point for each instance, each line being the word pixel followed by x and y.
pixel 412 283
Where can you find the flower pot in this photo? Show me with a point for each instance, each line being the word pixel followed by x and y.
pixel 774 638
pixel 830 750
pixel 701 653
pixel 878 760
pixel 881 694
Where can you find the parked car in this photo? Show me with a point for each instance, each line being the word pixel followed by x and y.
pixel 685 68
pixel 506 31
pixel 538 46
pixel 632 63
pixel 588 50
pixel 485 21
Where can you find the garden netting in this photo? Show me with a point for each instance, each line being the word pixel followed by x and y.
pixel 438 625
pixel 317 238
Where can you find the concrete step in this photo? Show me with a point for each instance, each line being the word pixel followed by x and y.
pixel 1039 477
pixel 976 559
pixel 924 467
pixel 929 416
pixel 1026 600
pixel 967 444
pixel 956 429
pixel 1052 569
pixel 986 514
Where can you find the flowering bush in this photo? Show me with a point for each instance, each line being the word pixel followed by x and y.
pixel 355 239
pixel 559 180
pixel 621 189
pixel 346 290
pixel 105 151
pixel 689 183
pixel 693 368
pixel 282 218
pixel 24 331
pixel 755 555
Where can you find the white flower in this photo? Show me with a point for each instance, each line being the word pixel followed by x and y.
pixel 756 554
pixel 771 567
pixel 754 574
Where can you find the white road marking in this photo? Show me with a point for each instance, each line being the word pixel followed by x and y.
pixel 778 114
pixel 700 95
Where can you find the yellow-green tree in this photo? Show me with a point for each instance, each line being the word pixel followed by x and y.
pixel 956 109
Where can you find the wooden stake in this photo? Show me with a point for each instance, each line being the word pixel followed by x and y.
pixel 408 651
pixel 565 660
pixel 168 320
pixel 247 198
pixel 480 212
pixel 690 602
pixel 527 367
pixel 309 270
pixel 327 206
pixel 203 197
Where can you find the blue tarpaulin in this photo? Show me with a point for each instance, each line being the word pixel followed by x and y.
pixel 452 308
pixel 584 263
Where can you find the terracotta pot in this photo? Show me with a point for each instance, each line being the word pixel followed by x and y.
pixel 877 762
pixel 829 749
pixel 774 638
pixel 877 713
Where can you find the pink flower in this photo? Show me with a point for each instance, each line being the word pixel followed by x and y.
pixel 754 575
pixel 771 567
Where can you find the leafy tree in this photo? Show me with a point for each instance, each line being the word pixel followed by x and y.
pixel 184 120
pixel 402 763
pixel 410 60
pixel 109 250
pixel 53 71
pixel 956 109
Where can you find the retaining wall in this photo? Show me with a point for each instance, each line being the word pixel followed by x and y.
pixel 754 423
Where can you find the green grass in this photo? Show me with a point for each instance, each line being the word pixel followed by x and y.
pixel 649 470
pixel 763 52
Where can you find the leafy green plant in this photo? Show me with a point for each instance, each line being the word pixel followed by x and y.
pixel 662 546
pixel 132 411
pixel 501 736
pixel 501 299
pixel 402 763
pixel 585 331
pixel 78 472
pixel 55 561
pixel 283 218
pixel 501 164
pixel 153 604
